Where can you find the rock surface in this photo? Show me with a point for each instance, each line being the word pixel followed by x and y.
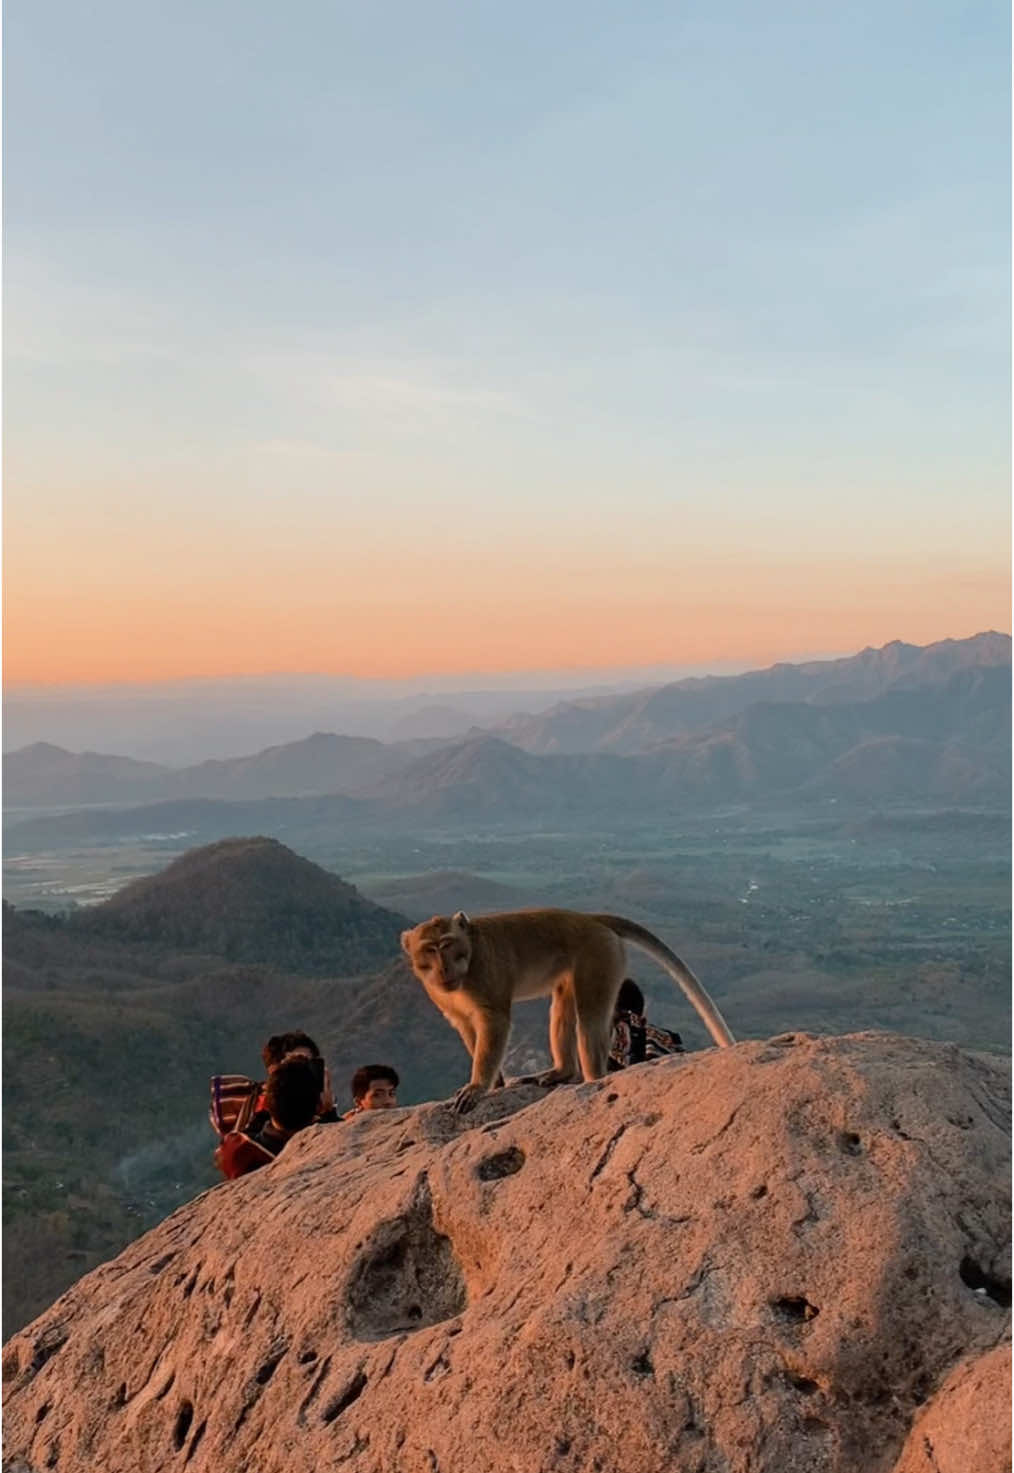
pixel 786 1257
pixel 967 1424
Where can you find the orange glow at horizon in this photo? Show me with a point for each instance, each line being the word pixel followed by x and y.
pixel 756 617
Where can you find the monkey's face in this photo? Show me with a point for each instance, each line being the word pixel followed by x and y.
pixel 439 951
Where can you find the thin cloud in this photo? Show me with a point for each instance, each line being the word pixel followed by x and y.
pixel 389 396
pixel 399 396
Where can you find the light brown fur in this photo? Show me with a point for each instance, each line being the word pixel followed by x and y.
pixel 474 970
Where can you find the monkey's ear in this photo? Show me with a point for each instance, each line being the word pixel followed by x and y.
pixel 460 921
pixel 404 942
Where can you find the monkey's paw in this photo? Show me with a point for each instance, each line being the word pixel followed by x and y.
pixel 467 1098
pixel 552 1077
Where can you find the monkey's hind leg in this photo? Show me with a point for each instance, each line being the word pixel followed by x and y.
pixel 562 1040
pixel 596 999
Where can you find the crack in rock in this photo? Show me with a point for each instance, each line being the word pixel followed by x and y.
pixel 610 1148
pixel 703 1145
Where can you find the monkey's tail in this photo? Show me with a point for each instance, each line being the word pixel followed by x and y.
pixel 678 971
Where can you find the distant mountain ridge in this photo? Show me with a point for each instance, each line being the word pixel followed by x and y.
pixel 637 721
pixel 43 775
pixel 938 717
pixel 325 762
pixel 957 733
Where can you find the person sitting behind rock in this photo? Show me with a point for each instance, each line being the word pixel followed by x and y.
pixel 374 1087
pixel 238 1102
pixel 634 1039
pixel 291 1096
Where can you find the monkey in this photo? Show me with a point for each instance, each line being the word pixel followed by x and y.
pixel 475 969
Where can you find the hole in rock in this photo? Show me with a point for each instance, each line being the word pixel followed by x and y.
pixel 849 1142
pixel 195 1441
pixel 759 1192
pixel 921 1388
pixel 504 1163
pixel 48 1343
pixel 43 1412
pixel 271 1363
pixel 795 1308
pixel 801 1383
pixel 641 1364
pixel 344 1399
pixel 320 1372
pixel 976 1277
pixel 184 1417
pixel 407 1276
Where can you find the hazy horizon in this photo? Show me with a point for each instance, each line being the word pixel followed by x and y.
pixel 448 682
pixel 177 722
pixel 228 716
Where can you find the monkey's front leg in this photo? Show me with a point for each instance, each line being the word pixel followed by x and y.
pixel 491 1030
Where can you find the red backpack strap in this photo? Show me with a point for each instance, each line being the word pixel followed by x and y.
pixel 238 1154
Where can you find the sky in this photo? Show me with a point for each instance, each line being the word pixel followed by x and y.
pixel 404 339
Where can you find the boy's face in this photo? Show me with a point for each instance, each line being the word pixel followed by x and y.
pixel 381 1095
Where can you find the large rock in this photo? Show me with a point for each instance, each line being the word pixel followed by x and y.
pixel 766 1258
pixel 967 1425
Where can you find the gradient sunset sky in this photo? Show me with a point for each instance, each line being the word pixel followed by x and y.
pixel 426 337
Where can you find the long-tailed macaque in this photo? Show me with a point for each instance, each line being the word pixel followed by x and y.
pixel 474 970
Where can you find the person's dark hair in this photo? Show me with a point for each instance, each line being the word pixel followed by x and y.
pixel 631 998
pixel 280 1044
pixel 364 1077
pixel 292 1093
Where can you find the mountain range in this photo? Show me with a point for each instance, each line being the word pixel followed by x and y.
pixel 904 722
pixel 43 775
pixel 640 720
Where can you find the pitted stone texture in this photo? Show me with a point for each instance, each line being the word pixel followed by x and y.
pixel 767 1258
